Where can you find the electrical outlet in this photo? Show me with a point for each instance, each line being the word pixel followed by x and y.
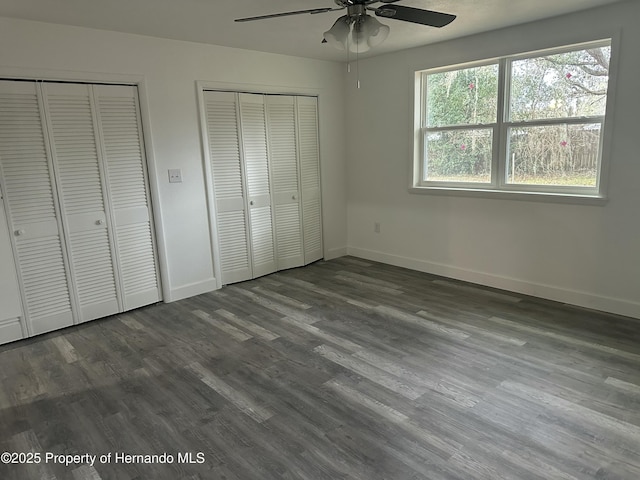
pixel 376 227
pixel 175 175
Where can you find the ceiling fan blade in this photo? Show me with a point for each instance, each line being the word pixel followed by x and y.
pixel 415 15
pixel 286 14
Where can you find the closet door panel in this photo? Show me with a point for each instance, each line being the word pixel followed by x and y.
pixel 123 152
pixel 254 140
pixel 227 171
pixel 283 157
pixel 33 216
pixel 232 235
pixel 11 324
pixel 75 155
pixel 308 144
pixel 262 239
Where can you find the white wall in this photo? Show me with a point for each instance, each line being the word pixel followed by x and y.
pixel 586 255
pixel 170 70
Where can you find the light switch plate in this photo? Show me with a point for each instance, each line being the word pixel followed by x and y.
pixel 175 175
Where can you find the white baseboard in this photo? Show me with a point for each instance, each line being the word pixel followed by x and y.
pixel 573 297
pixel 335 253
pixel 191 290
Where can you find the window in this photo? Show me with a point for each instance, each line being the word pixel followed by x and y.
pixel 529 123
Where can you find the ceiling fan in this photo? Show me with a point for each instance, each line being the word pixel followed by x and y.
pixel 366 31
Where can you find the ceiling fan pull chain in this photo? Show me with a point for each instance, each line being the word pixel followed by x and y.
pixel 357 65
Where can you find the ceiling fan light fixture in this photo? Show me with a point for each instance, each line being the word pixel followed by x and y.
pixel 337 35
pixel 359 38
pixel 375 32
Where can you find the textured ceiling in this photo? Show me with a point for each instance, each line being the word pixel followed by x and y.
pixel 211 21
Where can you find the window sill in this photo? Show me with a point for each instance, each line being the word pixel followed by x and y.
pixel 569 198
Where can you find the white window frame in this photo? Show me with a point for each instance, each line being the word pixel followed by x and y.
pixel 498 185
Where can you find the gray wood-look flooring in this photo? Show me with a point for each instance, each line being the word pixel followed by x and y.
pixel 344 369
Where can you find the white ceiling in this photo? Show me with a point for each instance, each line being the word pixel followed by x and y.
pixel 211 21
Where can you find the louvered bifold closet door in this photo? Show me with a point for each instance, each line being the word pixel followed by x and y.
pixel 227 171
pixel 309 151
pixel 32 210
pixel 70 117
pixel 283 158
pixel 254 140
pixel 120 129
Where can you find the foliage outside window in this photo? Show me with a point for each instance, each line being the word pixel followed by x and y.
pixel 527 123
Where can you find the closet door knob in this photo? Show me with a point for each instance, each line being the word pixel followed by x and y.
pixel 99 222
pixel 19 233
pixel 293 197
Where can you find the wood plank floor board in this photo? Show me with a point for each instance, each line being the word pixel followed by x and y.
pixel 287 454
pixel 270 303
pixel 581 321
pixel 376 334
pixel 28 441
pixel 133 441
pixel 298 361
pixel 85 434
pixel 579 326
pixel 542 361
pixel 603 345
pixel 344 369
pixel 589 395
pixel 247 326
pixel 497 453
pixel 222 325
pixel 632 388
pixel 581 454
pixel 472 329
pixel 305 293
pixel 369 279
pixel 283 296
pixel 245 314
pixel 349 296
pixel 509 430
pixel 347 466
pixel 364 285
pixel 305 423
pixel 475 291
pixel 281 390
pixel 372 415
pixel 370 454
pixel 230 304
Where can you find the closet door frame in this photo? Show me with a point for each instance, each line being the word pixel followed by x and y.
pixel 201 87
pixel 149 165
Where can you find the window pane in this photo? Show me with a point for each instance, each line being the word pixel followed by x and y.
pixel 459 156
pixel 572 84
pixel 554 155
pixel 462 97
